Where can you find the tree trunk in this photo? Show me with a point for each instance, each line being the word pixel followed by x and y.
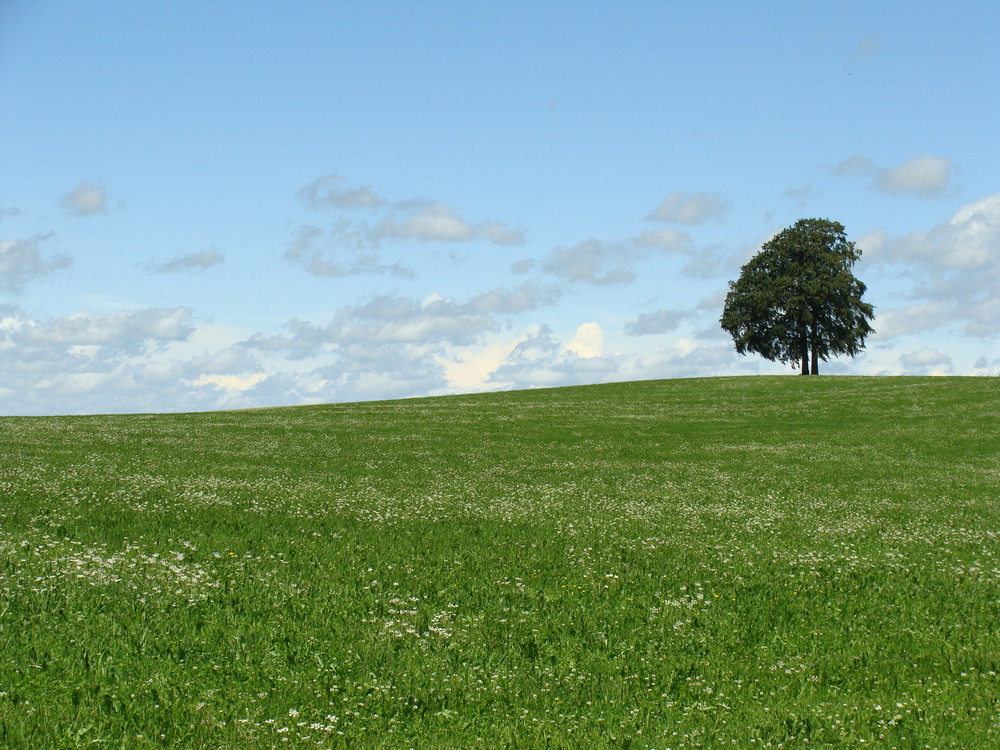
pixel 815 362
pixel 804 343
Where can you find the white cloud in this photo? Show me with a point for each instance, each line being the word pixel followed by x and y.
pixel 923 176
pixel 410 219
pixel 326 192
pixel 438 222
pixel 983 315
pixel 986 366
pixel 926 361
pixel 232 382
pixel 225 361
pixel 587 342
pixel 954 270
pixel 499 233
pixel 690 208
pixel 539 360
pixel 607 263
pixel 804 195
pixel 469 369
pixel 135 361
pixel 393 319
pixel 509 300
pixel 969 241
pixel 394 346
pixel 523 266
pixel 365 370
pixel 118 332
pixel 92 362
pixel 667 240
pixel 433 222
pixel 872 244
pixel 595 262
pixel 331 254
pixel 858 165
pixel 86 199
pixel 75 383
pixel 974 233
pixel 388 318
pixel 183 263
pixel 703 262
pixel 22 262
pixel 912 319
pixel 661 321
pixel 303 339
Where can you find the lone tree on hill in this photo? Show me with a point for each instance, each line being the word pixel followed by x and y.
pixel 797 301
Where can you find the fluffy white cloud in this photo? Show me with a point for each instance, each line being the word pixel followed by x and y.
pixel 661 321
pixel 926 361
pixel 86 199
pixel 608 263
pixel 468 369
pixel 703 262
pixel 690 208
pixel 22 262
pixel 338 253
pixel 389 318
pixel 858 165
pixel 668 240
pixel 326 192
pixel 363 370
pixel 410 219
pixel 118 332
pixel 924 176
pixel 395 346
pixel 433 222
pixel 969 241
pixel 92 362
pixel 510 300
pixel 955 268
pixel 226 361
pixel 134 361
pixel 804 195
pixel 986 366
pixel 184 263
pixel 587 342
pixel 438 222
pixel 595 262
pixel 232 382
pixel 912 319
pixel 540 360
pixel 393 319
pixel 983 319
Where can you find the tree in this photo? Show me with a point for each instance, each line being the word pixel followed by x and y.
pixel 797 300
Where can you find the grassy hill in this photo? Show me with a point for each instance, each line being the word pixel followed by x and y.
pixel 751 562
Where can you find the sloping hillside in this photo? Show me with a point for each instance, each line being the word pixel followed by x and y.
pixel 688 563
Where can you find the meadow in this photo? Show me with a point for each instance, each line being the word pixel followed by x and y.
pixel 766 562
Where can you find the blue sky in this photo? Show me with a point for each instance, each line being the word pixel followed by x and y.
pixel 242 204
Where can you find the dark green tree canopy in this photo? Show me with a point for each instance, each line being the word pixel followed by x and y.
pixel 797 301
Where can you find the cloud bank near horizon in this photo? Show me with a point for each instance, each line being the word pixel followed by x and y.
pixel 191 219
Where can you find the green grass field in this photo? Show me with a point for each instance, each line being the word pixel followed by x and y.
pixel 749 562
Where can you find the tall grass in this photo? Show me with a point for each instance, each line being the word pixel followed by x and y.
pixel 749 562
